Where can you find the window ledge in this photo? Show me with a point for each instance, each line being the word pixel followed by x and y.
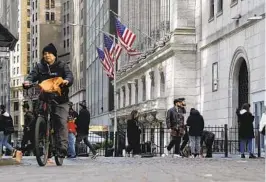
pixel 233 3
pixel 219 13
pixel 211 19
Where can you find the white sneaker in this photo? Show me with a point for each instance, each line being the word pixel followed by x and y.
pixel 191 157
pixel 165 154
pixel 177 156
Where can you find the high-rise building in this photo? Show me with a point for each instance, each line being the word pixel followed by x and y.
pixel 9 19
pixel 99 90
pixel 74 36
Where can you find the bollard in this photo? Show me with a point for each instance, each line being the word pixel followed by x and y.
pixel 225 140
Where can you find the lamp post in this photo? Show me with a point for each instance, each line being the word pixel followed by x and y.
pixel 115 105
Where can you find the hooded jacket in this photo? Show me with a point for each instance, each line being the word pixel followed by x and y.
pixel 83 122
pixel 196 123
pixel 246 129
pixel 43 71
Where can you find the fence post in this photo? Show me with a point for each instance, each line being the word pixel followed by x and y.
pixel 106 143
pixel 161 139
pixel 259 149
pixel 116 152
pixel 225 140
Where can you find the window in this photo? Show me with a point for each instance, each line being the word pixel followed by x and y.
pixel 211 9
pixel 81 48
pixel 16 120
pixel 33 5
pixel 214 76
pixel 67 4
pixel 18 59
pixel 64 6
pixel 136 91
pixel 17 82
pixel 28 12
pixel 64 31
pixel 36 54
pixel 152 85
pixel 52 16
pixel 47 16
pixel 33 30
pixel 28 36
pixel 162 84
pixel 67 30
pixel 28 24
pixel 52 4
pixel 18 46
pixel 81 13
pixel 32 42
pixel 129 94
pixel 28 2
pixel 36 28
pixel 67 17
pixel 36 4
pixel 64 18
pixel 28 47
pixel 16 106
pixel 33 18
pixel 67 42
pixel 64 43
pixel 14 72
pixel 36 16
pixel 36 41
pixel 17 70
pixel 14 59
pixel 143 79
pixel 14 83
pixel 220 6
pixel 47 5
pixel 124 96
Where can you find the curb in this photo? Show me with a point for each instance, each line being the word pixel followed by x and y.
pixel 8 162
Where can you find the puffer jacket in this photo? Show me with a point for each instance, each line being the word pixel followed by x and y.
pixel 44 71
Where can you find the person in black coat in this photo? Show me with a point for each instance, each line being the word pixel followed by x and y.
pixel 50 67
pixel 133 134
pixel 83 124
pixel 246 130
pixel 196 125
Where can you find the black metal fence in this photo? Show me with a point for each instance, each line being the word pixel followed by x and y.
pixel 154 140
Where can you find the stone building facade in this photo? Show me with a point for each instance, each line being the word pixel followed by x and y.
pixel 213 54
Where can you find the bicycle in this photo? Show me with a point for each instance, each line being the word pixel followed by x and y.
pixel 45 132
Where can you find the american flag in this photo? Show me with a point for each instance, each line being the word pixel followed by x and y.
pixel 107 66
pixel 112 47
pixel 126 37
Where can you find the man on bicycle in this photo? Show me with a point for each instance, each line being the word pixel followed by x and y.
pixel 50 67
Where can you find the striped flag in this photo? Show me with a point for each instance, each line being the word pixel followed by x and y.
pixel 107 66
pixel 126 37
pixel 113 48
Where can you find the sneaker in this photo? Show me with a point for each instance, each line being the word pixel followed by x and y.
pixel 165 154
pixel 243 156
pixel 252 156
pixel 192 157
pixel 177 156
pixel 94 156
pixel 137 156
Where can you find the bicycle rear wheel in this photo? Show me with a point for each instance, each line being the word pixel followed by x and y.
pixel 42 130
pixel 58 160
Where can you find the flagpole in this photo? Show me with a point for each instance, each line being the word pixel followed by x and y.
pixel 134 27
pixel 115 104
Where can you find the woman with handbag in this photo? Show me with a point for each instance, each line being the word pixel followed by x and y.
pixel 6 129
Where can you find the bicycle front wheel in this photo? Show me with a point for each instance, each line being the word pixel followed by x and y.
pixel 42 131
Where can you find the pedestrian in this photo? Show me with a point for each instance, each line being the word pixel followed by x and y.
pixel 246 130
pixel 83 123
pixel 28 130
pixel 7 129
pixel 72 133
pixel 175 124
pixel 207 138
pixel 133 134
pixel 72 112
pixel 195 122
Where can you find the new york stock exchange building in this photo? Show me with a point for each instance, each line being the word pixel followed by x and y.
pixel 215 59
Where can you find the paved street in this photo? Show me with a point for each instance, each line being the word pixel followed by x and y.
pixel 137 170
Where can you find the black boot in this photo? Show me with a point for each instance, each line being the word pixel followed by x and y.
pixel 252 156
pixel 243 156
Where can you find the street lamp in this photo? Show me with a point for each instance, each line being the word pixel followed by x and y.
pixel 115 107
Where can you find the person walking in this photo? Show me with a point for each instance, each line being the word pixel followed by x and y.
pixel 133 134
pixel 195 122
pixel 83 123
pixel 175 123
pixel 72 132
pixel 28 130
pixel 246 130
pixel 6 129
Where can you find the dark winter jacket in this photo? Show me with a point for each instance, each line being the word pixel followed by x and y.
pixel 207 137
pixel 43 71
pixel 133 131
pixel 196 123
pixel 29 120
pixel 7 123
pixel 246 130
pixel 83 122
pixel 174 117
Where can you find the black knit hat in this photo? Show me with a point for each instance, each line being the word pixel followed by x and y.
pixel 50 48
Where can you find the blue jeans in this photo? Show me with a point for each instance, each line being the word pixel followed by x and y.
pixel 71 144
pixel 243 143
pixel 4 142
